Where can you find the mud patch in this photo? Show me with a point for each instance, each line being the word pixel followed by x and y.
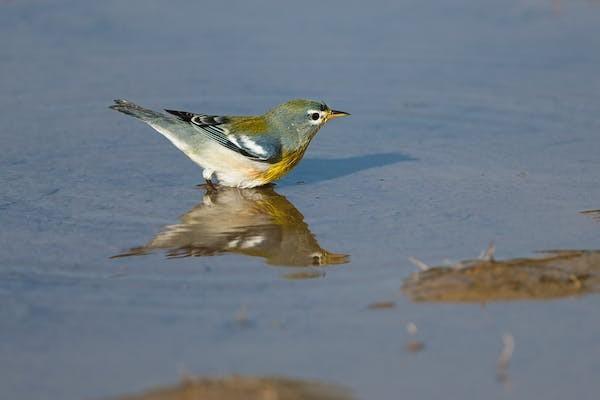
pixel 556 274
pixel 244 388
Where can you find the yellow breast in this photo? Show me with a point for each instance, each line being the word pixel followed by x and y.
pixel 279 169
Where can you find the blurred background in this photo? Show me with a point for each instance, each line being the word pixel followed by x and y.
pixel 472 122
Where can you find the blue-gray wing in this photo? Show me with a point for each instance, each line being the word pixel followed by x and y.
pixel 260 148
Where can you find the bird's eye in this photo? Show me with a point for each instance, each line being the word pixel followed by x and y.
pixel 315 116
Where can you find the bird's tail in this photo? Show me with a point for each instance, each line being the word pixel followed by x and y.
pixel 174 129
pixel 129 108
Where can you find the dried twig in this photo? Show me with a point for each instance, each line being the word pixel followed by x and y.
pixel 488 254
pixel 420 264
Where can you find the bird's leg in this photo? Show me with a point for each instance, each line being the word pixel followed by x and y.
pixel 207 175
pixel 210 187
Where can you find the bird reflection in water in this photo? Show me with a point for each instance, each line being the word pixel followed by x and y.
pixel 255 222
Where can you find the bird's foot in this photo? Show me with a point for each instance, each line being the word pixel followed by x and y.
pixel 208 186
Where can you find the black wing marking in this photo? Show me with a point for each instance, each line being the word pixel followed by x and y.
pixel 199 119
pixel 210 124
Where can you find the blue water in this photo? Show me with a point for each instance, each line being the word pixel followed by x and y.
pixel 472 121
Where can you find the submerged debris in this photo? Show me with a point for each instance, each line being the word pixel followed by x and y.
pixel 555 274
pixel 411 328
pixel 245 388
pixel 301 275
pixel 381 305
pixel 413 345
pixel 241 316
pixel 595 214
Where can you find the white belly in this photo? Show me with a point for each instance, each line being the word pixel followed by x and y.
pixel 230 168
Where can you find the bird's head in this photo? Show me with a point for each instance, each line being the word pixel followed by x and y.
pixel 302 118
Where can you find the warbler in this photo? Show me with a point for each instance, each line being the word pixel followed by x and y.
pixel 256 222
pixel 242 151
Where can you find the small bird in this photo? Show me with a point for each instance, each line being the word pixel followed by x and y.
pixel 240 151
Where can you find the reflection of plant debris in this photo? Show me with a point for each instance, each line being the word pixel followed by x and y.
pixel 595 214
pixel 241 316
pixel 301 275
pixel 413 345
pixel 504 359
pixel 556 274
pixel 245 388
pixel 380 305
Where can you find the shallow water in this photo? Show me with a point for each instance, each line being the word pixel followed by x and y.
pixel 472 122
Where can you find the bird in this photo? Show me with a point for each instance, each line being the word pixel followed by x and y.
pixel 240 151
pixel 257 222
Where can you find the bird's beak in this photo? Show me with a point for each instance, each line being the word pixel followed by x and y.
pixel 333 114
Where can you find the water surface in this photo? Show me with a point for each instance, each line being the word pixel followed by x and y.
pixel 472 122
